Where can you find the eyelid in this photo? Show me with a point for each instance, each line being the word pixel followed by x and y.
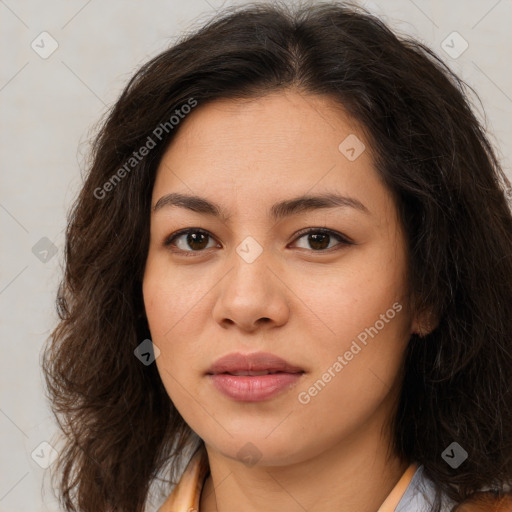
pixel 343 239
pixel 170 239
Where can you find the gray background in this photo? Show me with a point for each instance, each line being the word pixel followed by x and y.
pixel 48 110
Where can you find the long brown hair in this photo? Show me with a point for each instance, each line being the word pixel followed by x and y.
pixel 121 426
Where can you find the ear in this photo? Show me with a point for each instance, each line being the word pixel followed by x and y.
pixel 424 323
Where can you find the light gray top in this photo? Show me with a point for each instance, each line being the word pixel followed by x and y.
pixel 420 494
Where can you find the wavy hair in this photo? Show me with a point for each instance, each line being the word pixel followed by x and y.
pixel 121 428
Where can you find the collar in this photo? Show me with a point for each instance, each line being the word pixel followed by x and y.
pixel 186 493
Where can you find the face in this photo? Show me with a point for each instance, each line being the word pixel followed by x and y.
pixel 320 284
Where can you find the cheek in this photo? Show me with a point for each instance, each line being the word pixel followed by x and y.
pixel 163 311
pixel 354 296
pixel 176 318
pixel 171 298
pixel 364 329
pixel 355 369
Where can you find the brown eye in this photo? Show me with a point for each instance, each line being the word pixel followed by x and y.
pixel 320 239
pixel 190 240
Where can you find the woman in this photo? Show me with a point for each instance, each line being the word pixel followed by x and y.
pixel 290 268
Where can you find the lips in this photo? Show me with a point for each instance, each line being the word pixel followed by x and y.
pixel 253 377
pixel 260 363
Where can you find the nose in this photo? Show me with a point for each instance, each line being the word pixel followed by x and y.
pixel 252 296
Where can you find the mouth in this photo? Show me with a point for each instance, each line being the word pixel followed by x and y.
pixel 253 377
pixel 255 364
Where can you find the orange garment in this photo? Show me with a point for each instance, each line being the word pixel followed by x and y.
pixel 187 492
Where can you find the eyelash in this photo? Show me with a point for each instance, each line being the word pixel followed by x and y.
pixel 344 241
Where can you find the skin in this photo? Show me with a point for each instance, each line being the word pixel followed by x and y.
pixel 302 304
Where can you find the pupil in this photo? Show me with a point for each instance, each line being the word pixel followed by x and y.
pixel 317 240
pixel 193 238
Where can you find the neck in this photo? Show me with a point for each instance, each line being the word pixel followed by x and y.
pixel 357 473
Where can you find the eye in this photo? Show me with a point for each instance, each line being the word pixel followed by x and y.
pixel 194 238
pixel 320 239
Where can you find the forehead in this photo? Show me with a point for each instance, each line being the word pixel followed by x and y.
pixel 267 148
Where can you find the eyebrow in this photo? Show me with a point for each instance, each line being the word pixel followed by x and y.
pixel 278 211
